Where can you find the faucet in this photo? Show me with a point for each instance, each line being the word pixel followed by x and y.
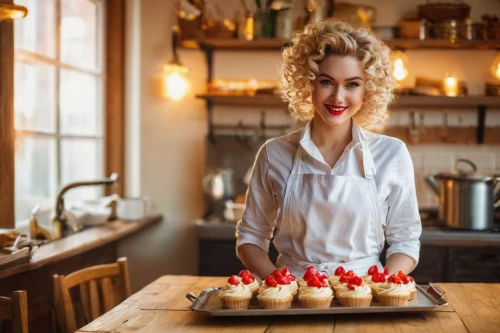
pixel 60 224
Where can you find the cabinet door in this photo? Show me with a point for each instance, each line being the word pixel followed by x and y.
pixel 431 265
pixel 467 264
pixel 218 257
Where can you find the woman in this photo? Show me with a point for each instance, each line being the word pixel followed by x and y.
pixel 334 191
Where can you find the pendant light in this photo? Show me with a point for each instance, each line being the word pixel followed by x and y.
pixel 174 81
pixel 10 11
pixel 495 67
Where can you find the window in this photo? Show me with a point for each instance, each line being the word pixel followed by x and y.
pixel 58 101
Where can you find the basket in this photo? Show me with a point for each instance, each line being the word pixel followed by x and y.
pixel 413 29
pixel 444 11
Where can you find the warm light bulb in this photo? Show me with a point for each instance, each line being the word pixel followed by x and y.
pixel 399 64
pixel 399 71
pixel 175 86
pixel 450 85
pixel 173 82
pixel 495 67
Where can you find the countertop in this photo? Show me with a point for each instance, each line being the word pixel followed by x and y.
pixel 431 235
pixel 162 307
pixel 80 242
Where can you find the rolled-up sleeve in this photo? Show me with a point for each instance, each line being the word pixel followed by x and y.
pixel 259 218
pixel 403 227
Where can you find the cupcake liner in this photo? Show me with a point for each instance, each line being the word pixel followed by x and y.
pixel 393 300
pixel 413 294
pixel 350 301
pixel 316 302
pixel 270 303
pixel 374 295
pixel 235 302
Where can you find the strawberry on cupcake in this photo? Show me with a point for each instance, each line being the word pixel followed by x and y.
pixel 235 294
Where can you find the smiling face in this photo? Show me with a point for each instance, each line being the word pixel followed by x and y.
pixel 338 89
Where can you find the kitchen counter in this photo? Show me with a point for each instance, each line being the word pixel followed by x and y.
pixel 92 246
pixel 431 235
pixel 162 307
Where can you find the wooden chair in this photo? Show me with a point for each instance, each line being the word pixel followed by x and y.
pixel 101 288
pixel 16 310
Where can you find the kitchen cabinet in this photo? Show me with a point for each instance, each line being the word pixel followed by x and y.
pixel 217 257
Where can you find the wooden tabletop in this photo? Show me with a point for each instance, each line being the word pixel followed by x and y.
pixel 162 307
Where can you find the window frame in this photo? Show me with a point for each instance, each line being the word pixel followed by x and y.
pixel 111 62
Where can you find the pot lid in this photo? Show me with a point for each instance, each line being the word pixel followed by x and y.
pixel 470 173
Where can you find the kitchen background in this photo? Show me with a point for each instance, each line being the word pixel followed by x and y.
pixel 167 140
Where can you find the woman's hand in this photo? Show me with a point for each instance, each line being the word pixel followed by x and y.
pixel 399 261
pixel 256 260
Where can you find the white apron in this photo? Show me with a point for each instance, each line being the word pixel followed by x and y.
pixel 332 220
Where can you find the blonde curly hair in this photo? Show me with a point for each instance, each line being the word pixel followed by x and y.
pixel 311 45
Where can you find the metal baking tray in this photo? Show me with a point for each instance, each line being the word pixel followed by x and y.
pixel 208 302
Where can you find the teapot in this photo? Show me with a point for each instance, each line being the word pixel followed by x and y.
pixel 219 184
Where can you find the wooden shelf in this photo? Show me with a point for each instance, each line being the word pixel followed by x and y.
pixel 401 101
pixel 277 44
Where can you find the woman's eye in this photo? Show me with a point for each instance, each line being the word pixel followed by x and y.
pixel 352 84
pixel 326 82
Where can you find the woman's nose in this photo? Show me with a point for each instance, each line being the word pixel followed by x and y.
pixel 337 96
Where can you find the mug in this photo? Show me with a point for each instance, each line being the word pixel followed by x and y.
pixel 134 208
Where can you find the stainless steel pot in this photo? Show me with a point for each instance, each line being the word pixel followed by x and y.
pixel 467 200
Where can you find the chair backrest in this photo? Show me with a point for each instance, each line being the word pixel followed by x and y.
pixel 16 310
pixel 101 288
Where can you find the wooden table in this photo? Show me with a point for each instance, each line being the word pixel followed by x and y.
pixel 162 307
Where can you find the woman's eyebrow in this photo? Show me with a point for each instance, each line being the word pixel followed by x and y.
pixel 349 79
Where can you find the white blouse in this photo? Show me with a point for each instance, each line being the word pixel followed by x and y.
pixel 394 177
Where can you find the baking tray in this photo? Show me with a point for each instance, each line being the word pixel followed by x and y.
pixel 208 302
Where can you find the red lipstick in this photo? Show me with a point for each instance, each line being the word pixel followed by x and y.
pixel 335 110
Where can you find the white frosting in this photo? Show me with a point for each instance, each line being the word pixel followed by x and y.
pixel 301 282
pixel 359 291
pixel 239 290
pixel 293 286
pixel 334 279
pixel 278 292
pixel 254 285
pixel 315 292
pixel 392 289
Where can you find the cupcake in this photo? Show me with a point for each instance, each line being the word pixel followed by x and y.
pixel 317 293
pixel 376 281
pixel 273 295
pixel 394 292
pixel 409 283
pixel 335 278
pixel 309 272
pixel 290 280
pixel 343 281
pixel 367 278
pixel 235 294
pixel 248 279
pixel 355 293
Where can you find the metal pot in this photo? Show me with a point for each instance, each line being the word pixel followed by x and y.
pixel 467 200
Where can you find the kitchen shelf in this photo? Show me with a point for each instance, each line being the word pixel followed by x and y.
pixel 209 46
pixel 480 102
pixel 402 100
pixel 277 44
